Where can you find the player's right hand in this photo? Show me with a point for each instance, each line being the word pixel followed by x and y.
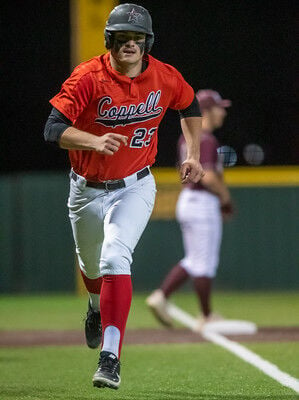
pixel 109 143
pixel 191 171
pixel 227 209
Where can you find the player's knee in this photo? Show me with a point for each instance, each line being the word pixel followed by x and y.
pixel 89 267
pixel 203 270
pixel 198 268
pixel 116 260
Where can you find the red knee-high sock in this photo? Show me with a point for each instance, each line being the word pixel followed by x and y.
pixel 92 285
pixel 174 279
pixel 115 302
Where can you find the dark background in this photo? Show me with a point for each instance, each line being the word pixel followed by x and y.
pixel 245 50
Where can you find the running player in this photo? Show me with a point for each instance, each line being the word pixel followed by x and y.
pixel 107 115
pixel 200 209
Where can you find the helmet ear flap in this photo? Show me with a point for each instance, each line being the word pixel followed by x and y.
pixel 108 39
pixel 149 43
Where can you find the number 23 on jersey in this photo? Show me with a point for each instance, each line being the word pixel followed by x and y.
pixel 142 137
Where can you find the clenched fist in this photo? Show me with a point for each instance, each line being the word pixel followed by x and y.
pixel 109 143
pixel 191 171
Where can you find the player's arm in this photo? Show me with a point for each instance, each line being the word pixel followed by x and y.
pixel 59 129
pixel 191 122
pixel 214 183
pixel 75 139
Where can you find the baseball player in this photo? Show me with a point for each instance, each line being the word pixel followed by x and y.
pixel 107 115
pixel 200 209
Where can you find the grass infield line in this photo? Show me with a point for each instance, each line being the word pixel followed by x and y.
pixel 241 351
pixel 247 355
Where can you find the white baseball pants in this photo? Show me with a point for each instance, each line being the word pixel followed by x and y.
pixel 198 213
pixel 107 225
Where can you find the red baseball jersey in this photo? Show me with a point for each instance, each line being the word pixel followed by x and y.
pixel 98 99
pixel 209 158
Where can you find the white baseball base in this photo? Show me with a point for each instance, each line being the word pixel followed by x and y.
pixel 225 327
pixel 231 327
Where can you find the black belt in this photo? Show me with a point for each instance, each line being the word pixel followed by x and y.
pixel 112 185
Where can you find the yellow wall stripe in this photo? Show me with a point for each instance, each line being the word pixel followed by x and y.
pixel 242 176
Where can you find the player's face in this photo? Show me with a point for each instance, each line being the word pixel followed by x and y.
pixel 217 115
pixel 128 47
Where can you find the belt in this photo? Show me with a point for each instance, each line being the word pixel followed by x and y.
pixel 113 185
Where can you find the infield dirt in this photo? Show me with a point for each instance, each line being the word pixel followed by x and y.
pixel 139 336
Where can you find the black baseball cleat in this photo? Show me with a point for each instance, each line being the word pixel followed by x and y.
pixel 107 374
pixel 93 328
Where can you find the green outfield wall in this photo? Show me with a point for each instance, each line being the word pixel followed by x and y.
pixel 260 248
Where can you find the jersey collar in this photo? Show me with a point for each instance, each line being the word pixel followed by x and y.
pixel 123 78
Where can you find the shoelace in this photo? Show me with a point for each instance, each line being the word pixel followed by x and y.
pixel 109 365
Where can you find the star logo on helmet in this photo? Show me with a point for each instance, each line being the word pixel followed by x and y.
pixel 134 16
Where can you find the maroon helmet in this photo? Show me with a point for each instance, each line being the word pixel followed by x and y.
pixel 208 98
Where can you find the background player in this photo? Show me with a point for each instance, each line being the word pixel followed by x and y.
pixel 107 115
pixel 200 209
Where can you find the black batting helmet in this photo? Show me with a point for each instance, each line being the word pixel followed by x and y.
pixel 129 17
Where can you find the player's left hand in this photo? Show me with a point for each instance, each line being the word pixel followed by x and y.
pixel 191 171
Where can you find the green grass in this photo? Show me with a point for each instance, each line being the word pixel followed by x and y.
pixel 284 355
pixel 200 371
pixel 68 311
pixel 176 372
